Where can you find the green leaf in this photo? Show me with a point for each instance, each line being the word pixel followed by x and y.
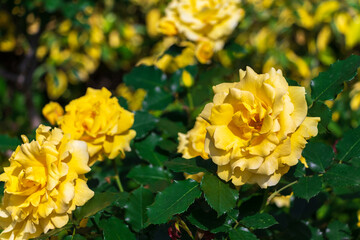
pixel 156 177
pixel 349 146
pixel 319 109
pixel 144 123
pixel 318 156
pixel 135 209
pixel 207 219
pixel 8 143
pixel 338 230
pixel 115 229
pixel 146 150
pixel 53 232
pixel 330 83
pixel 157 99
pixel 307 187
pixel 99 202
pixel 243 234
pixel 170 128
pixel 173 200
pixel 343 178
pixel 184 165
pixel 259 221
pixel 146 77
pixel 220 196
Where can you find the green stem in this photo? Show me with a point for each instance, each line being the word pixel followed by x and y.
pixel 278 191
pixel 116 177
pixel 263 204
pixel 190 100
pixel 73 234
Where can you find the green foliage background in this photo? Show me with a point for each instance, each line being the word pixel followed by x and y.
pixel 155 195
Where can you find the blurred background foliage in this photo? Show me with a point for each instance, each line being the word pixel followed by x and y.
pixel 55 49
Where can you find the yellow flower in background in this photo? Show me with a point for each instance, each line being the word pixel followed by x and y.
pixel 257 128
pixel 355 97
pixel 191 144
pixel 202 20
pixel 152 18
pixel 99 120
pixel 204 51
pixel 187 79
pixel 52 111
pixel 56 84
pixel 133 98
pixel 197 176
pixel 282 200
pixel 43 184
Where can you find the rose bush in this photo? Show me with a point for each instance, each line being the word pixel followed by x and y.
pixel 43 184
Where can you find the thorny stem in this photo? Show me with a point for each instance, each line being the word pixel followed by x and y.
pixel 278 191
pixel 116 177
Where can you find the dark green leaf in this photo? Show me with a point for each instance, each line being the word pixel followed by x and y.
pixel 8 143
pixel 319 109
pixel 184 165
pixel 220 196
pixel 115 229
pixel 156 177
pixel 144 123
pixel 307 187
pixel 338 230
pixel 318 156
pixel 99 202
pixel 174 50
pixel 349 146
pixel 343 178
pixel 243 234
pixel 157 99
pixel 259 221
pixel 170 128
pixel 146 77
pixel 135 209
pixel 330 83
pixel 209 221
pixel 173 200
pixel 146 150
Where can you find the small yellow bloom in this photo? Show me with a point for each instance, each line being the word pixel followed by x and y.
pixel 52 111
pixel 191 144
pixel 133 98
pixel 187 79
pixel 257 128
pixel 204 51
pixel 56 84
pixel 282 200
pixel 43 184
pixel 358 216
pixel 152 18
pixel 355 97
pixel 323 38
pixel 99 120
pixel 197 176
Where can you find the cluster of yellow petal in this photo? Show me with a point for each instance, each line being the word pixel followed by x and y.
pixel 52 112
pixel 43 184
pixel 99 120
pixel 191 144
pixel 258 128
pixel 206 22
pixel 254 130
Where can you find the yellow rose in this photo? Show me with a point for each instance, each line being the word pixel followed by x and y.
pixel 43 184
pixel 257 128
pixel 191 144
pixel 101 122
pixel 134 98
pixel 202 20
pixel 52 111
